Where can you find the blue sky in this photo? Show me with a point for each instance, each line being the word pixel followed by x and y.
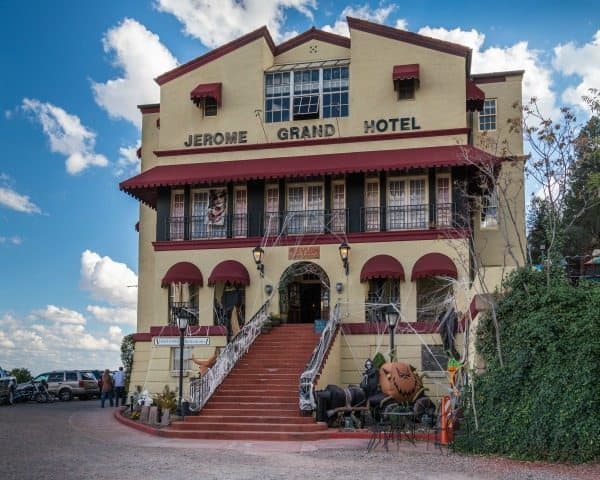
pixel 73 73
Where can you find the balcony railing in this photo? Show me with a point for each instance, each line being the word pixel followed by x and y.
pixel 314 222
pixel 183 309
pixel 199 228
pixel 406 217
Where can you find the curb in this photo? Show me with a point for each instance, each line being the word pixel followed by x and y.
pixel 118 414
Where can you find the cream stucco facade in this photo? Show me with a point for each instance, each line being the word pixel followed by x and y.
pixel 417 209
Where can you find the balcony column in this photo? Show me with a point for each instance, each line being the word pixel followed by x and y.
pixel 432 198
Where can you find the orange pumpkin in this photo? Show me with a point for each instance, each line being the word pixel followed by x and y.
pixel 399 381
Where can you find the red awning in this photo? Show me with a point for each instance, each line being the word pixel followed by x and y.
pixel 381 266
pixel 475 97
pixel 182 272
pixel 229 271
pixel 433 264
pixel 405 72
pixel 212 90
pixel 144 186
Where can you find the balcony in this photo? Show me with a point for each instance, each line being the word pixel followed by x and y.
pixel 183 309
pixel 315 222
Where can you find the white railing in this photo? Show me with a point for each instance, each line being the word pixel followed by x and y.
pixel 309 377
pixel 201 389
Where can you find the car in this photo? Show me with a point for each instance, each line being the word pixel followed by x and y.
pixel 8 383
pixel 66 384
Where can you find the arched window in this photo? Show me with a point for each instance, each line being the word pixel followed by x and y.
pixel 382 291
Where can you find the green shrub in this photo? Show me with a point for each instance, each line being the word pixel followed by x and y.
pixel 545 402
pixel 166 400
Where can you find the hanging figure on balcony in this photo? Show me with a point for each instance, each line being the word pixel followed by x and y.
pixel 217 207
pixel 232 301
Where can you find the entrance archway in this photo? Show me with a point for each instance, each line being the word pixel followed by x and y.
pixel 304 293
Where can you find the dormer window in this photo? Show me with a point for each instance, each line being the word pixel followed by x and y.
pixel 406 80
pixel 207 96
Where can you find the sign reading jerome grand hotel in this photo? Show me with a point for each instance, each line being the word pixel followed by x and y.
pixel 381 125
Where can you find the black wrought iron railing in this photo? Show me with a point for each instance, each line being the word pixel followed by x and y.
pixel 183 309
pixel 306 222
pixel 407 217
pixel 199 227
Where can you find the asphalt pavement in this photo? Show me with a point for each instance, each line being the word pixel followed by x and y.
pixel 79 440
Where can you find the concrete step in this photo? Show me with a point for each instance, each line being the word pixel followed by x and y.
pixel 249 427
pixel 256 418
pixel 250 435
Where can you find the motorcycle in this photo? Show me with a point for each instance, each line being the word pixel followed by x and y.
pixel 34 392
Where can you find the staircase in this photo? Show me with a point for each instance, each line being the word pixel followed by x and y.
pixel 259 398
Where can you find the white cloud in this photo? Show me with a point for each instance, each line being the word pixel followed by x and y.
pixel 378 15
pixel 584 62
pixel 55 314
pixel 13 200
pixel 537 81
pixel 128 162
pixel 108 280
pixel 67 135
pixel 141 57
pixel 112 315
pixel 217 22
pixel 115 333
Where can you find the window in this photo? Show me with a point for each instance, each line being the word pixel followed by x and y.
pixel 487 117
pixel 71 376
pixel 272 210
pixel 433 358
pixel 209 107
pixel 489 210
pixel 183 295
pixel 177 220
pixel 56 377
pixel 338 207
pixel 240 208
pixel 382 292
pixel 406 89
pixel 434 297
pixel 407 206
pixel 372 205
pixel 444 201
pixel 208 213
pixel 310 93
pixel 305 209
pixel 277 97
pixel 187 355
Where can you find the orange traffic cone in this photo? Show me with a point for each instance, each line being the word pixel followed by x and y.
pixel 446 434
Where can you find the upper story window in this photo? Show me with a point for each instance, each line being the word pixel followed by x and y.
pixel 209 107
pixel 406 89
pixel 371 210
pixel 307 93
pixel 177 220
pixel 406 80
pixel 407 206
pixel 444 201
pixel 487 117
pixel 272 209
pixel 305 203
pixel 489 210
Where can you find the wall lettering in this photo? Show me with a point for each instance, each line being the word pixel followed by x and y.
pixel 390 124
pixel 218 138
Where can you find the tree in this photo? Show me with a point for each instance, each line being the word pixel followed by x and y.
pixel 21 374
pixel 127 350
pixel 537 223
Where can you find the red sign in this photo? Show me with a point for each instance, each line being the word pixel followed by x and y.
pixel 304 253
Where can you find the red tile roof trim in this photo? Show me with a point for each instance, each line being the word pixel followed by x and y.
pixel 312 34
pixel 261 32
pixel 319 141
pixel 408 37
pixel 143 185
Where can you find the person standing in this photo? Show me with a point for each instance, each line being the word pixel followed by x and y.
pixel 119 378
pixel 107 388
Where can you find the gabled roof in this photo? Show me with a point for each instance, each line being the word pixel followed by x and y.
pixel 410 37
pixel 323 36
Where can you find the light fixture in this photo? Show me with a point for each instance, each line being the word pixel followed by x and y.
pixel 258 254
pixel 268 289
pixel 344 249
pixel 182 323
pixel 391 318
pixel 339 287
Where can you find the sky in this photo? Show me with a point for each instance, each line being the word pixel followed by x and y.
pixel 72 76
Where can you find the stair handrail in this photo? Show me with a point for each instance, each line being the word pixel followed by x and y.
pixel 313 368
pixel 201 389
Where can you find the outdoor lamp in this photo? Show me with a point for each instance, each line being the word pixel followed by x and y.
pixel 258 253
pixel 344 249
pixel 391 318
pixel 182 323
pixel 268 289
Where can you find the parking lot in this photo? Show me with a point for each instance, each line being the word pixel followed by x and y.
pixel 79 440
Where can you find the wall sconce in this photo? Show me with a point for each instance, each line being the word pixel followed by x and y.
pixel 344 251
pixel 339 287
pixel 268 289
pixel 258 254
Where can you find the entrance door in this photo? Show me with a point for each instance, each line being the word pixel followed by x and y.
pixel 310 302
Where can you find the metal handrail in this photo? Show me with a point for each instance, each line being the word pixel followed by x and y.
pixel 309 376
pixel 201 389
